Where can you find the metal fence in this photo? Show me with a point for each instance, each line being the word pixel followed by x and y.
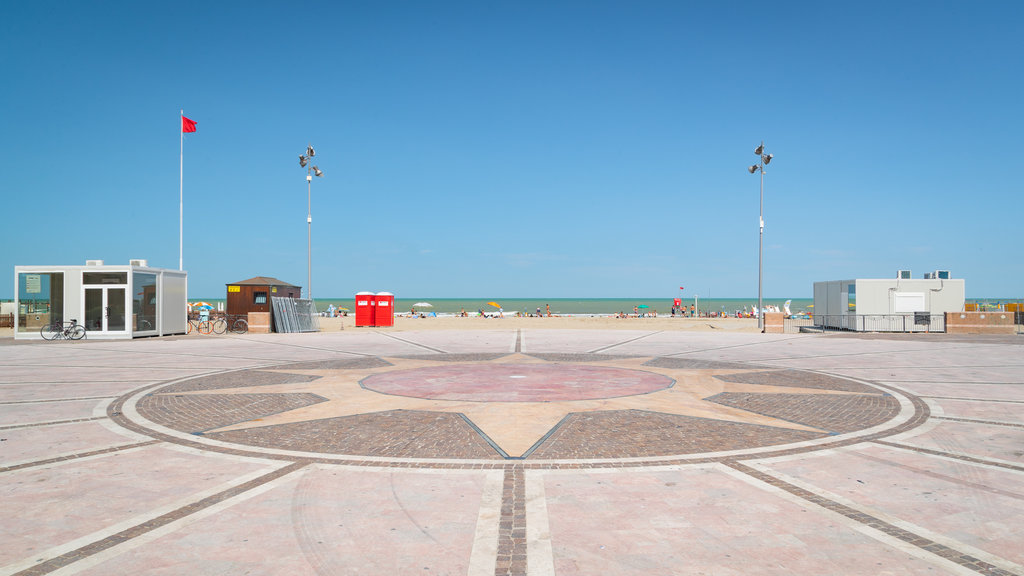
pixel 916 322
pixel 7 320
pixel 294 315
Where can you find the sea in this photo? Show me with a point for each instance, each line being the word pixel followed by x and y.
pixel 563 306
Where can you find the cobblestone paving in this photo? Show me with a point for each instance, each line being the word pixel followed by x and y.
pixel 637 433
pixel 836 414
pixel 239 379
pixel 636 445
pixel 395 434
pixel 194 414
pixel 798 379
pixel 693 364
pixel 348 364
pixel 439 435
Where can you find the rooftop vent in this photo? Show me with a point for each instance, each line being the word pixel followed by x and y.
pixel 140 263
pixel 94 262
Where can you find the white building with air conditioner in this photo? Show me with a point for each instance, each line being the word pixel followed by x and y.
pixel 901 304
pixel 111 301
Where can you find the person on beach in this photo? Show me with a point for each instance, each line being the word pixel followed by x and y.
pixel 636 311
pixel 548 306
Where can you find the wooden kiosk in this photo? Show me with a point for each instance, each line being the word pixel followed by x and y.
pixel 251 298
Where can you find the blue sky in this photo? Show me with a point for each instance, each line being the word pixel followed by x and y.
pixel 529 149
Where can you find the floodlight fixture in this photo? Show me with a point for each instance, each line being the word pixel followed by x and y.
pixel 310 172
pixel 765 159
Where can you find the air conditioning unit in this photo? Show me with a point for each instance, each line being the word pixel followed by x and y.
pixel 941 274
pixel 929 275
pixel 94 262
pixel 903 274
pixel 140 263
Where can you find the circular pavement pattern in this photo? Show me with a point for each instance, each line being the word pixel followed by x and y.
pixel 517 382
pixel 583 409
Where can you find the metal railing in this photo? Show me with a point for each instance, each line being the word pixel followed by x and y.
pixel 915 322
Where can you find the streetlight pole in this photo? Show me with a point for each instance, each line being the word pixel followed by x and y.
pixel 763 160
pixel 310 172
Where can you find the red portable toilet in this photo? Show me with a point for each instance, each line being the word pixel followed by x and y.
pixel 384 315
pixel 365 304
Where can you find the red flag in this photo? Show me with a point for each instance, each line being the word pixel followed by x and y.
pixel 188 125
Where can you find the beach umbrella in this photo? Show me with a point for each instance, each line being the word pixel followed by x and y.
pixel 423 305
pixel 495 304
pixel 643 306
pixel 202 305
pixel 345 309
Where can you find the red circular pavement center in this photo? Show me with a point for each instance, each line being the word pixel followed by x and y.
pixel 516 382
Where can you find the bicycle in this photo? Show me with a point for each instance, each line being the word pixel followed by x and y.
pixel 70 330
pixel 201 326
pixel 236 325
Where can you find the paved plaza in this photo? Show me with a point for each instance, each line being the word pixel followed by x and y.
pixel 523 451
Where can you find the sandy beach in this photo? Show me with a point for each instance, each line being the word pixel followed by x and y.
pixel 403 323
pixel 554 322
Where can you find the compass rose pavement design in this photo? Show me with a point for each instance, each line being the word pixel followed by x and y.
pixel 518 406
pixel 519 452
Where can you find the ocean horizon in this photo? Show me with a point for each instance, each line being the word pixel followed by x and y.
pixel 576 306
pixel 560 306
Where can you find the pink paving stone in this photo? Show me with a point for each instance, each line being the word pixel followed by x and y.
pixel 978 505
pixel 702 521
pixel 46 507
pixel 999 411
pixel 974 439
pixel 12 414
pixel 517 382
pixel 973 391
pixel 61 391
pixel 42 442
pixel 326 521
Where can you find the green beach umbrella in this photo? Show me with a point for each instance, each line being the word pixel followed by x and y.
pixel 643 306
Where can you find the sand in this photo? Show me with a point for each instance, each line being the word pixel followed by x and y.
pixel 554 322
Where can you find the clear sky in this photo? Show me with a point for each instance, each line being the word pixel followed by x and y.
pixel 518 149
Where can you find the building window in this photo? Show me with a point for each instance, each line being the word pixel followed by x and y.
pixel 144 302
pixel 104 277
pixel 40 300
pixel 259 297
pixel 851 299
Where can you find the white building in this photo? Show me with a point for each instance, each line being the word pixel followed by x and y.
pixel 111 301
pixel 901 304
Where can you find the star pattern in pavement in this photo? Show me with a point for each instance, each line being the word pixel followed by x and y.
pixel 486 393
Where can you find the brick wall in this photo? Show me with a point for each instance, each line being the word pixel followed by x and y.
pixel 979 323
pixel 774 322
pixel 259 322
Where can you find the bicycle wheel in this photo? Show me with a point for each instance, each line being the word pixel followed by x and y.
pixel 240 326
pixel 220 325
pixel 77 332
pixel 205 327
pixel 190 326
pixel 51 331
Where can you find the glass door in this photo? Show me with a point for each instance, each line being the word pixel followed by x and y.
pixel 105 309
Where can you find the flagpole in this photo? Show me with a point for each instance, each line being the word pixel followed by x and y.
pixel 181 191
